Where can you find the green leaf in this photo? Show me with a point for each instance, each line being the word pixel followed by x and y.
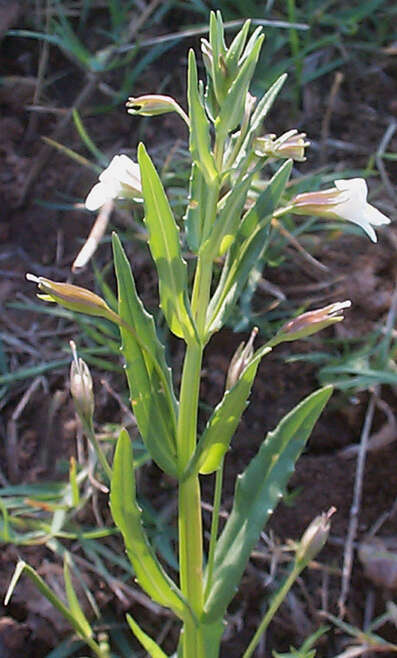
pixel 166 251
pixel 194 216
pixel 21 568
pixel 247 249
pixel 200 142
pixel 73 601
pixel 266 103
pixel 232 109
pixel 127 516
pixel 265 204
pixel 150 645
pixel 224 230
pixel 257 493
pixel 236 48
pixel 217 42
pixel 215 440
pixel 149 378
pixel 234 276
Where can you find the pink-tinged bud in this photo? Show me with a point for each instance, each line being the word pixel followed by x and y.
pixel 81 388
pixel 240 359
pixel 152 105
pixel 74 298
pixel 347 200
pixel 311 322
pixel 290 145
pixel 314 538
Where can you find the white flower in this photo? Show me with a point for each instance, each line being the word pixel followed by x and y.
pixel 347 200
pixel 120 180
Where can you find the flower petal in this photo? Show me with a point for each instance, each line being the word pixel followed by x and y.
pixel 97 197
pixel 355 186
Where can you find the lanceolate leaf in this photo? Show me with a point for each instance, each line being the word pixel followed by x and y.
pixel 232 109
pixel 226 225
pixel 200 143
pixel 265 204
pixel 73 601
pixel 166 251
pixel 258 116
pixel 220 428
pixel 128 517
pixel 194 216
pixel 257 493
pixel 247 248
pixel 266 102
pixel 148 375
pixel 234 277
pixel 150 645
pixel 236 48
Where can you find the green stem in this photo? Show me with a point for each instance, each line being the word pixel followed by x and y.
pixel 274 606
pixel 190 522
pixel 90 433
pixel 214 528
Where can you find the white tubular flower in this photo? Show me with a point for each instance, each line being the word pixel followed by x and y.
pixel 120 180
pixel 347 200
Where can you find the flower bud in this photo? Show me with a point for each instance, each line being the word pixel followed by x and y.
pixel 74 298
pixel 240 359
pixel 310 322
pixel 314 537
pixel 152 105
pixel 81 388
pixel 290 145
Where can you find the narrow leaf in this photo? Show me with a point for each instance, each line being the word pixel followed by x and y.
pixel 266 202
pixel 224 230
pixel 73 601
pixel 232 109
pixel 21 568
pixel 200 142
pixel 166 251
pixel 257 493
pixel 266 102
pixel 234 277
pixel 150 645
pixel 149 378
pixel 215 440
pixel 194 216
pixel 236 48
pixel 128 517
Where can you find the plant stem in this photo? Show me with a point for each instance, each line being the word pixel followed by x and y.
pixel 275 603
pixel 90 433
pixel 190 523
pixel 214 527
